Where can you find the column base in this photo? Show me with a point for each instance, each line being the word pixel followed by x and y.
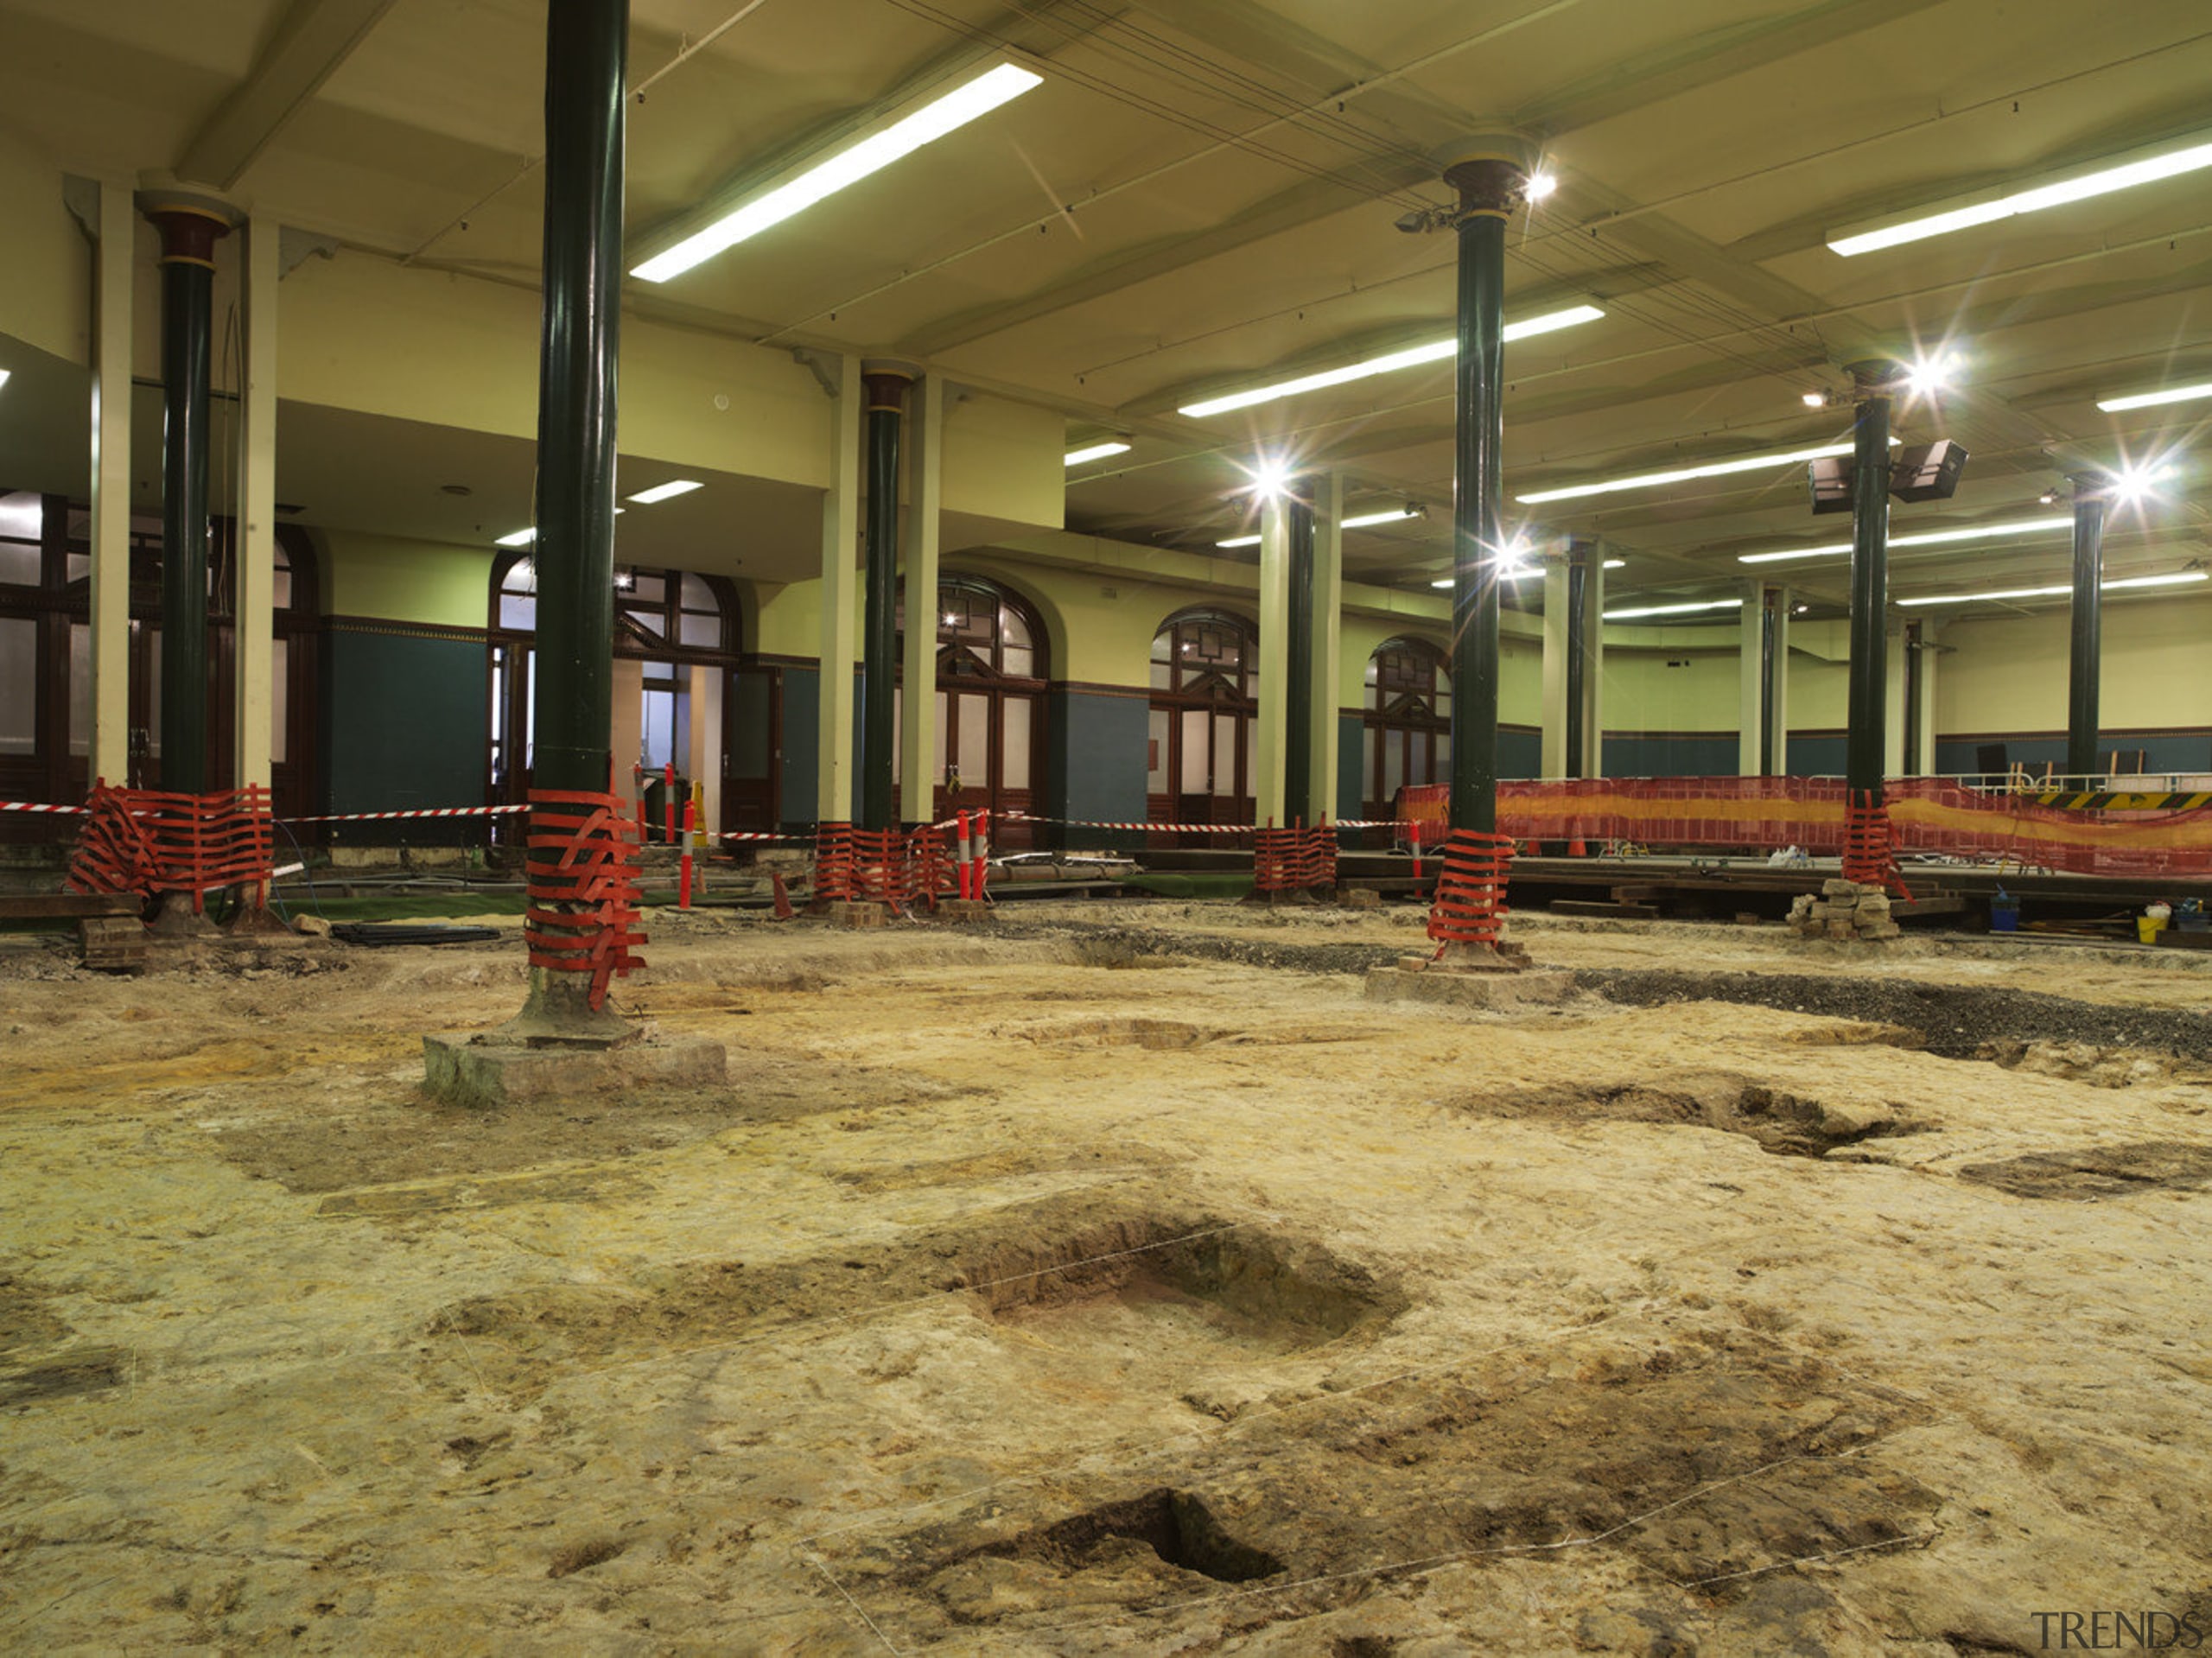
pixel 966 910
pixel 857 912
pixel 489 1068
pixel 1493 990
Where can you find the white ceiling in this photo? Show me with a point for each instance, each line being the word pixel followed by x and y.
pixel 1203 195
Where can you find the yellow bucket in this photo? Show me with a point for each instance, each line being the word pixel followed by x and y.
pixel 2147 928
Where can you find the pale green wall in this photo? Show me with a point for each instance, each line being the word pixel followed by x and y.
pixel 2009 674
pixel 404 580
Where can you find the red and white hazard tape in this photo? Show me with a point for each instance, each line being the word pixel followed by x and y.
pixel 1201 828
pixel 419 811
pixel 37 806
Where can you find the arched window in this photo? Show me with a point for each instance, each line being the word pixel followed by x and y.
pixel 1408 720
pixel 1205 672
pixel 675 647
pixel 991 671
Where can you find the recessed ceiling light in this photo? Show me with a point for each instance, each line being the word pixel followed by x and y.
pixel 2177 580
pixel 1673 610
pixel 519 539
pixel 1814 399
pixel 847 166
pixel 1921 538
pixel 1683 475
pixel 1096 452
pixel 2114 405
pixel 1435 351
pixel 668 491
pixel 2117 173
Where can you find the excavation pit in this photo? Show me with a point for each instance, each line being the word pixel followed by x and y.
pixel 1786 1124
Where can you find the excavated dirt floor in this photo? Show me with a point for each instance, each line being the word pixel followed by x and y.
pixel 1116 1279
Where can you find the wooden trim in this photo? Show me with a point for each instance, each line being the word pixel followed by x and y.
pixel 407 630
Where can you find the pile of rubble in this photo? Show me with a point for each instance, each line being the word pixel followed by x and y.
pixel 1844 909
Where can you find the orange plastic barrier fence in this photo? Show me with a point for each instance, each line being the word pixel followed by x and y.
pixel 833 861
pixel 1277 860
pixel 1317 857
pixel 147 842
pixel 1761 814
pixel 583 858
pixel 1470 904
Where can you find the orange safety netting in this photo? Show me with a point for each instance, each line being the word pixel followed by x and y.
pixel 879 866
pixel 582 858
pixel 1317 857
pixel 1870 846
pixel 1470 904
pixel 1278 860
pixel 929 866
pixel 833 861
pixel 147 842
pixel 1930 815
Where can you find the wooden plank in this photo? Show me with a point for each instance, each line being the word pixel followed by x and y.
pixel 1598 906
pixel 52 906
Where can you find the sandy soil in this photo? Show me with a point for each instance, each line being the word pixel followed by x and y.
pixel 1049 1292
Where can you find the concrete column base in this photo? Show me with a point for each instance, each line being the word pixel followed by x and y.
pixel 966 910
pixel 488 1069
pixel 1534 989
pixel 857 912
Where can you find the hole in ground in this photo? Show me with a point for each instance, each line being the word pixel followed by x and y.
pixel 2098 1171
pixel 1176 1525
pixel 1162 1033
pixel 1787 1124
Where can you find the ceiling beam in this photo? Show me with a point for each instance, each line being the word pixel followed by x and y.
pixel 314 38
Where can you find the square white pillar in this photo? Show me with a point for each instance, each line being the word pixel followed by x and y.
pixel 1270 729
pixel 254 697
pixel 1751 681
pixel 1779 736
pixel 1594 661
pixel 1328 629
pixel 703 762
pixel 1557 626
pixel 1893 702
pixel 841 590
pixel 110 758
pixel 918 768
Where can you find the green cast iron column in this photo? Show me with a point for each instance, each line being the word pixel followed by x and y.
pixel 1865 732
pixel 2085 666
pixel 1298 668
pixel 586 45
pixel 188 236
pixel 1578 555
pixel 1488 186
pixel 887 418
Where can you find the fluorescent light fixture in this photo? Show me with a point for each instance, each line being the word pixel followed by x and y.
pixel 1435 351
pixel 2104 179
pixel 1924 538
pixel 2177 580
pixel 1518 571
pixel 1096 452
pixel 1395 515
pixel 1673 610
pixel 2111 405
pixel 1239 540
pixel 848 166
pixel 667 491
pixel 1683 475
pixel 520 538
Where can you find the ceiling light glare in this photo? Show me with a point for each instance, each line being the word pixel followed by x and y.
pixel 1096 452
pixel 1270 478
pixel 1684 474
pixel 1814 399
pixel 1239 540
pixel 848 166
pixel 2112 405
pixel 519 539
pixel 1540 185
pixel 1921 538
pixel 1435 351
pixel 1933 374
pixel 2102 181
pixel 1515 574
pixel 2177 578
pixel 2133 483
pixel 1673 610
pixel 666 491
pixel 4 374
